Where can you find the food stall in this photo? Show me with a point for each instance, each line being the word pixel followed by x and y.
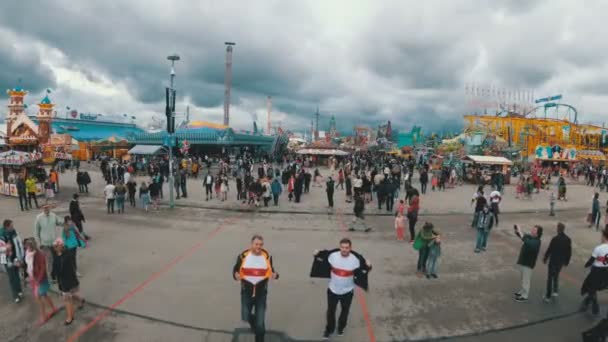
pixel 482 167
pixel 17 163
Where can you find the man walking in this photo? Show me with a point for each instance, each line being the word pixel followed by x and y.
pixel 208 186
pixel 484 225
pixel 345 269
pixel 558 254
pixel 45 232
pixel 330 192
pixel 358 209
pixel 480 202
pixel 22 192
pixel 527 259
pixel 253 268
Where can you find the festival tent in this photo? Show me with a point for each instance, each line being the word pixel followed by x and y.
pixel 322 152
pixel 488 160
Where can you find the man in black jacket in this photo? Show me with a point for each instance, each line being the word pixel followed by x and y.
pixel 345 269
pixel 253 269
pixel 527 259
pixel 22 192
pixel 558 254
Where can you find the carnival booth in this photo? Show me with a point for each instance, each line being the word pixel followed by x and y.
pixel 481 168
pixel 17 163
pixel 559 159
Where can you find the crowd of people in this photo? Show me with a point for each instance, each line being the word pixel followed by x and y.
pixel 50 256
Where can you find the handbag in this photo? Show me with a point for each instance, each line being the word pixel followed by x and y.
pixel 589 218
pixel 418 242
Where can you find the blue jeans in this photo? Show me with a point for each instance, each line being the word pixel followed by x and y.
pixel 431 263
pixel 255 319
pixel 482 238
pixel 14 280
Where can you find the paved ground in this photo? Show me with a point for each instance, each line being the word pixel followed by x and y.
pixel 165 276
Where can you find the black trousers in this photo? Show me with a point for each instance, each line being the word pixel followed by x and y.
pixel 330 199
pixel 184 191
pixel 275 198
pixel 110 204
pixel 23 201
pixel 423 187
pixel 31 195
pixel 78 224
pixel 332 303
pixel 412 226
pixel 553 279
pixel 132 199
pixel 390 200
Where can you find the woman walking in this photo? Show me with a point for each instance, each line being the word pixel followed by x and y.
pixel 37 272
pixel 595 212
pixel 423 241
pixel 67 280
pixel 154 194
pixel 121 194
pixel 349 189
pixel 131 189
pixel 412 216
pixel 224 188
pixel 144 195
pixel 72 240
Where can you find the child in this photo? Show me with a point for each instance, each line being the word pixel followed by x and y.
pixel 434 254
pixel 401 207
pixel 399 225
pixel 37 273
pixel 434 182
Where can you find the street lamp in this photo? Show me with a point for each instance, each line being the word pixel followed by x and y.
pixel 170 118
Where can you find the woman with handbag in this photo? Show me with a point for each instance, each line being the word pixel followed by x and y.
pixel 424 239
pixel 72 240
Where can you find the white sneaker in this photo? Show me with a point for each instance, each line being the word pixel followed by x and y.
pixel 555 294
pixel 78 275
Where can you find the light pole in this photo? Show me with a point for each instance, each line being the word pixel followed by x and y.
pixel 174 57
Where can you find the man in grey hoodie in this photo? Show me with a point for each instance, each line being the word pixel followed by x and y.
pixel 45 231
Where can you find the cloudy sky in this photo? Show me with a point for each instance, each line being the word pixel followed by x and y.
pixel 363 61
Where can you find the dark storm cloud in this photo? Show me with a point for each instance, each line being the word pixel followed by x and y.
pixel 369 64
pixel 23 69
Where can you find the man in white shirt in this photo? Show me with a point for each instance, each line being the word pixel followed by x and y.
pixel 127 176
pixel 345 269
pixel 110 193
pixel 597 279
pixel 208 186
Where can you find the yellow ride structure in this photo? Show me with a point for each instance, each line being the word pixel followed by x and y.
pixel 530 132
